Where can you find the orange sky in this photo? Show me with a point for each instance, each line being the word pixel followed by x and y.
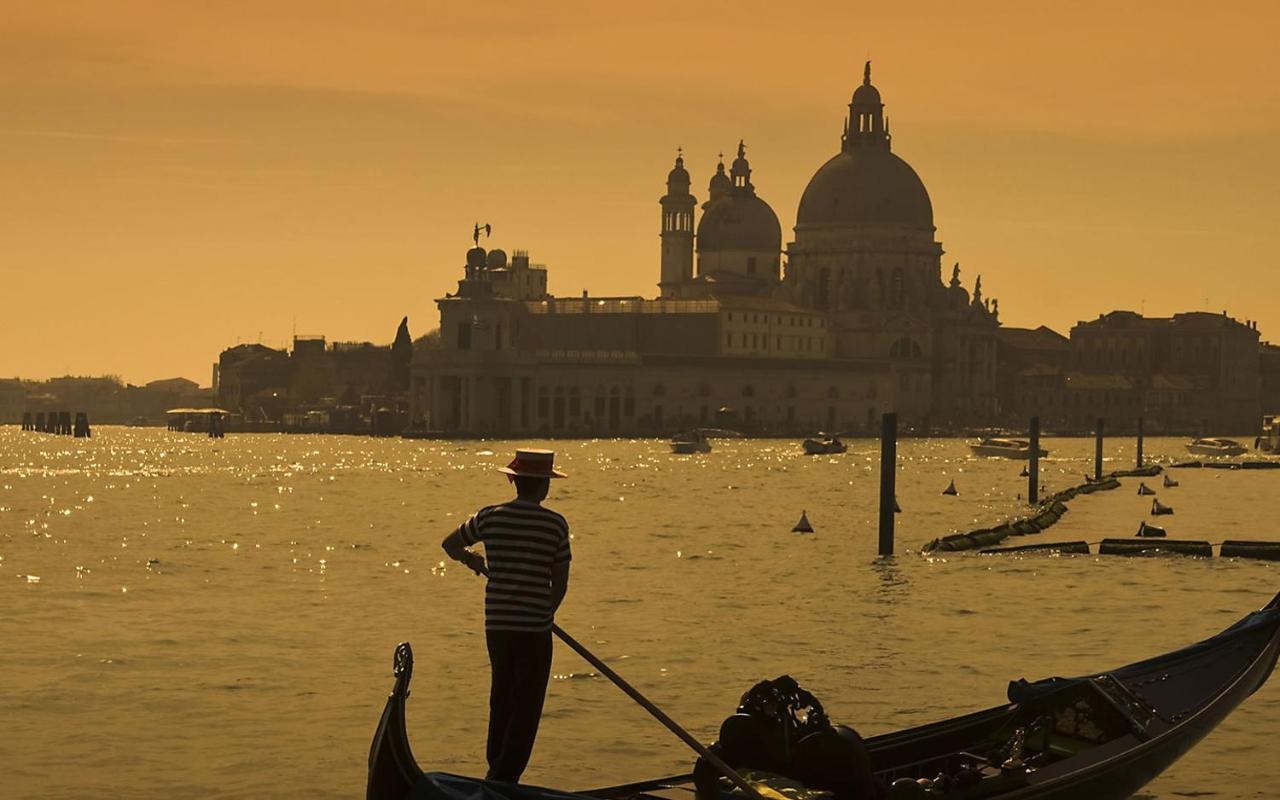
pixel 181 176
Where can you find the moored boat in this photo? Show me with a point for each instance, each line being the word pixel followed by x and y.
pixel 1101 736
pixel 690 442
pixel 1269 441
pixel 1216 447
pixel 824 444
pixel 1005 448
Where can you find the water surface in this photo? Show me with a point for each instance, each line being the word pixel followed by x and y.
pixel 195 617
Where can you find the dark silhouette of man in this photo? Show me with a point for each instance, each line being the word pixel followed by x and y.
pixel 526 556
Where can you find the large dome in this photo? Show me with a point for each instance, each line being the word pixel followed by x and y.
pixel 865 186
pixel 739 221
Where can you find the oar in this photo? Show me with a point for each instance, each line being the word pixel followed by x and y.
pixel 657 713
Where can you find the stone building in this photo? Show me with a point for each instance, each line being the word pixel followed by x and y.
pixel 1193 373
pixel 855 321
pixel 1269 358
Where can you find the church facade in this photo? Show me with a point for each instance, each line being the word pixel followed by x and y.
pixel 850 319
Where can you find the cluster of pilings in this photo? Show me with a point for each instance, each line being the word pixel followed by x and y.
pixel 57 422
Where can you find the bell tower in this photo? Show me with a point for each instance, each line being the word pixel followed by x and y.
pixel 677 231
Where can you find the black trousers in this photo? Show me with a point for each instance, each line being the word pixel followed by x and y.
pixel 521 663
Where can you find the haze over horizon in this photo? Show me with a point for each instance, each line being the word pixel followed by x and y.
pixel 186 178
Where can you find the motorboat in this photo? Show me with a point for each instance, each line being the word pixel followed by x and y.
pixel 1102 736
pixel 824 444
pixel 1216 447
pixel 693 441
pixel 1005 448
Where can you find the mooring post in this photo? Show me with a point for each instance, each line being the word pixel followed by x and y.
pixel 1097 451
pixel 1139 465
pixel 888 478
pixel 1033 472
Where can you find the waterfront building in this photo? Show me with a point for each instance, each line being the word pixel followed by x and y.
pixel 1192 373
pixel 1269 366
pixel 854 322
pixel 316 380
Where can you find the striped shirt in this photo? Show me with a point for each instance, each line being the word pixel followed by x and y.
pixel 522 540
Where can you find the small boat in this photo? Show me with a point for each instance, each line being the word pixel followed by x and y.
pixel 1005 448
pixel 1216 447
pixel 824 444
pixel 1269 441
pixel 692 442
pixel 1101 736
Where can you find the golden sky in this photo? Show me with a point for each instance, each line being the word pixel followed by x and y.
pixel 180 176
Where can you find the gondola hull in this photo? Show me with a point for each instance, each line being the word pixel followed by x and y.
pixel 1166 704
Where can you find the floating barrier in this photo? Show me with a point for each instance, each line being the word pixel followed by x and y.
pixel 1081 548
pixel 1144 489
pixel 803 525
pixel 1159 509
pixel 1265 551
pixel 1141 547
pixel 1141 472
pixel 951 489
pixel 1150 531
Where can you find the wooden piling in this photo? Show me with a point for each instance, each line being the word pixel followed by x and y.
pixel 1033 472
pixel 1097 450
pixel 888 479
pixel 1139 464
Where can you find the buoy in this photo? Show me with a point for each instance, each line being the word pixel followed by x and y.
pixel 1169 483
pixel 803 525
pixel 1026 473
pixel 951 488
pixel 1158 508
pixel 1144 489
pixel 1139 547
pixel 1150 530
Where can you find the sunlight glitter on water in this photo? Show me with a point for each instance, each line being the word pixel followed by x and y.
pixel 294 564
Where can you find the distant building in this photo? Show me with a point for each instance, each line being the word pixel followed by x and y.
pixel 13 400
pixel 1192 373
pixel 1030 363
pixel 1269 366
pixel 857 321
pixel 254 380
pixel 315 380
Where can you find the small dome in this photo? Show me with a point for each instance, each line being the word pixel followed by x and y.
pixel 497 259
pixel 866 95
pixel 865 186
pixel 720 184
pixel 739 221
pixel 678 174
pixel 476 257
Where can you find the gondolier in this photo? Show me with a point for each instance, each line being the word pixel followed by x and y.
pixel 527 550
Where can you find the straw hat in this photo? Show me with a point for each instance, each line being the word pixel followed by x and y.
pixel 533 464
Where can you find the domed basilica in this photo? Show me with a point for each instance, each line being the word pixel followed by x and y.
pixel 864 254
pixel 850 320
